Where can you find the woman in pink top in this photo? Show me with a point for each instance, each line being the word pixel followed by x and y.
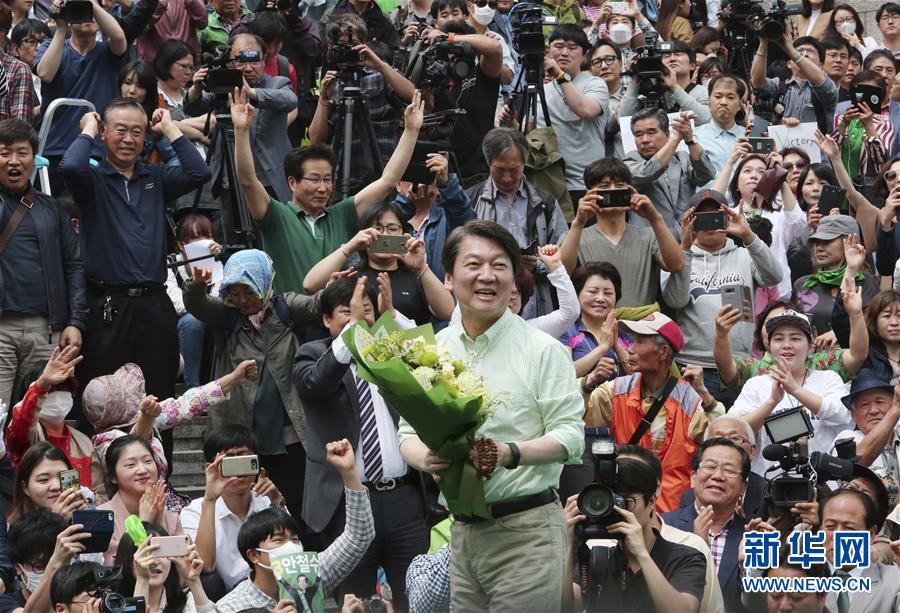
pixel 133 478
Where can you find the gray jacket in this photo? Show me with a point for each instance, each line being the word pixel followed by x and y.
pixel 670 188
pixel 272 347
pixel 696 101
pixel 269 140
pixel 545 224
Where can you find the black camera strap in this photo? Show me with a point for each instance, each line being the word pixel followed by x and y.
pixel 647 420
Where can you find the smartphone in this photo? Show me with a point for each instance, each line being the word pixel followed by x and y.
pixel 762 146
pixel 739 297
pixel 416 171
pixel 135 605
pixel 704 222
pixel 759 128
pixel 170 546
pixel 618 7
pixel 68 480
pixel 240 466
pixel 614 198
pixel 99 524
pixel 872 95
pixel 390 243
pixel 831 197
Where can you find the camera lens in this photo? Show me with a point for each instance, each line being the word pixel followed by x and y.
pixel 596 501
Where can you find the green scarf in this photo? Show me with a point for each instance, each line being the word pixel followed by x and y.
pixel 830 277
pixel 853 143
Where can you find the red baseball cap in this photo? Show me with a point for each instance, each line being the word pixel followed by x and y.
pixel 657 323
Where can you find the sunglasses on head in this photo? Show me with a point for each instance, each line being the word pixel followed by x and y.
pixel 890 175
pixel 483 3
pixel 799 165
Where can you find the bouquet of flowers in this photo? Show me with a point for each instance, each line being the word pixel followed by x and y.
pixel 443 402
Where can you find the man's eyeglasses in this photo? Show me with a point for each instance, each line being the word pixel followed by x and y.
pixel 889 17
pixel 890 175
pixel 799 165
pixel 31 42
pixel 630 502
pixel 728 470
pixel 609 60
pixel 391 228
pixel 318 180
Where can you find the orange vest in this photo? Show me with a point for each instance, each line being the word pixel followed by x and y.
pixel 678 447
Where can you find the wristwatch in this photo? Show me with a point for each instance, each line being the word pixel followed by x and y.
pixel 516 456
pixel 563 77
pixel 689 142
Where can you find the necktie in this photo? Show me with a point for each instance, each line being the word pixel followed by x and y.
pixel 371 447
pixel 4 82
pixel 843 600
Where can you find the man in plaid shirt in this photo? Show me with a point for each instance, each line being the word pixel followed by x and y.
pixel 15 77
pixel 272 529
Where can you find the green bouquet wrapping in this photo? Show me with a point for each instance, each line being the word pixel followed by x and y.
pixel 443 402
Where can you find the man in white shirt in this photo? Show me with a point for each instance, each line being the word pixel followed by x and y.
pixel 214 520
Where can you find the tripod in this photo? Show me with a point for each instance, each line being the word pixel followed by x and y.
pixel 532 91
pixel 351 100
pixel 236 221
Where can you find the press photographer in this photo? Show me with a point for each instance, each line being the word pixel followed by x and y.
pixel 271 96
pixel 476 93
pixel 661 76
pixel 352 64
pixel 644 572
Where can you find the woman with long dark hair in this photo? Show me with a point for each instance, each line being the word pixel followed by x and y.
pixel 37 484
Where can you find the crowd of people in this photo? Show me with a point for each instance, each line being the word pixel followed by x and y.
pixel 592 210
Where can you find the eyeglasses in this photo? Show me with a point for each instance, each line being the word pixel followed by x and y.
pixel 30 42
pixel 832 55
pixel 799 165
pixel 630 502
pixel 890 175
pixel 185 67
pixel 318 180
pixel 845 20
pixel 391 228
pixel 728 470
pixel 609 60
pixel 889 17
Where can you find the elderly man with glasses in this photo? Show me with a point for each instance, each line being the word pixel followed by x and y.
pixel 721 468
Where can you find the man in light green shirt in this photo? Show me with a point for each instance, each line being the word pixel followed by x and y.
pixel 535 420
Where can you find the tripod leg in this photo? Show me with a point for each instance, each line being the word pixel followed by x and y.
pixel 374 151
pixel 349 103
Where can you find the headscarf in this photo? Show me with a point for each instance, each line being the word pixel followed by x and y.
pixel 113 401
pixel 253 268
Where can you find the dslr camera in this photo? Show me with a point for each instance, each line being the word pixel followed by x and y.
pixel 76 11
pixel 597 499
pixel 800 474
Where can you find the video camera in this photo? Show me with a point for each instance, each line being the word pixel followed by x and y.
pixel 436 64
pixel 648 71
pixel 597 499
pixel 527 21
pixel 221 79
pixel 771 25
pixel 100 581
pixel 800 474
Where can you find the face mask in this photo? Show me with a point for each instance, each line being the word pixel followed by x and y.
pixel 620 33
pixel 483 14
pixel 847 27
pixel 287 549
pixel 55 406
pixel 32 578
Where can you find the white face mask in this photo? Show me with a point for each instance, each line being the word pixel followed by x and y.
pixel 620 33
pixel 32 578
pixel 287 549
pixel 847 27
pixel 55 406
pixel 483 14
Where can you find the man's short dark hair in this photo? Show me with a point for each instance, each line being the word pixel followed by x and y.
pixel 721 441
pixel 122 104
pixel 338 23
pixel 636 477
pixel 293 161
pixel 270 26
pixel 249 36
pixel 646 456
pixel 604 270
pixel 260 526
pixel 26 28
pixel 485 229
pixel 570 33
pixel 610 168
pixel 340 293
pixel 876 54
pixel 31 539
pixel 724 78
pixel 171 51
pixel 812 42
pixel 71 580
pixel 891 8
pixel 16 131
pixel 679 46
pixel 835 43
pixel 498 141
pixel 229 436
pixel 605 42
pixel 871 511
pixel 652 112
pixel 856 54
pixel 439 5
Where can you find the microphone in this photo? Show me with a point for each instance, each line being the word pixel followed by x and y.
pixel 776 453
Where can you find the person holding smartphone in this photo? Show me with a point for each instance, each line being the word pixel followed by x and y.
pixel 713 260
pixel 862 126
